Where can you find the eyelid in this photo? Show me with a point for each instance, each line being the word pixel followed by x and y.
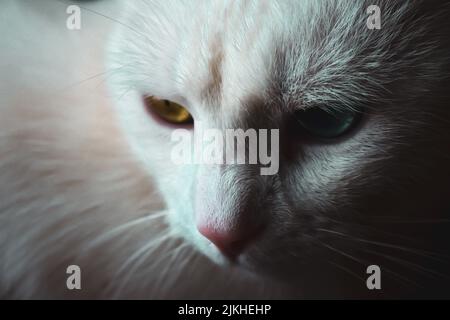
pixel 326 123
pixel 167 112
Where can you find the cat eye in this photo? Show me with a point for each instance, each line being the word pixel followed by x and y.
pixel 169 111
pixel 327 123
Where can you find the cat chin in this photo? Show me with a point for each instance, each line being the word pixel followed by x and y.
pixel 218 258
pixel 250 266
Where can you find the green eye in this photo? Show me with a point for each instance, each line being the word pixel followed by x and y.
pixel 327 124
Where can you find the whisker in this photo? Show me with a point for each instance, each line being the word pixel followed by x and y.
pixel 95 76
pixel 174 257
pixel 341 252
pixel 138 255
pixel 136 259
pixel 110 234
pixel 417 267
pixel 106 17
pixel 401 220
pixel 417 252
pixel 366 263
pixel 346 270
pixel 372 229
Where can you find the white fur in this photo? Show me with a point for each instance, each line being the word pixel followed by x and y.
pixel 73 191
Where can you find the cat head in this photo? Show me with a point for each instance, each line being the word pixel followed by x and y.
pixel 362 118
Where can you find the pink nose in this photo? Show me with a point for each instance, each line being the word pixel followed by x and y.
pixel 231 244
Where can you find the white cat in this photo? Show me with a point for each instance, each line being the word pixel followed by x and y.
pixel 364 136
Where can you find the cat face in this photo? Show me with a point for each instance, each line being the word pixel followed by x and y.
pixel 344 183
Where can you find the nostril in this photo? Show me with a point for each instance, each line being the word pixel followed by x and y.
pixel 224 241
pixel 230 243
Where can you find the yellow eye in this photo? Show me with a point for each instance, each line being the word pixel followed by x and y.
pixel 169 111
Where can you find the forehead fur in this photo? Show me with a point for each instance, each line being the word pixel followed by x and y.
pixel 219 54
pixel 330 57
